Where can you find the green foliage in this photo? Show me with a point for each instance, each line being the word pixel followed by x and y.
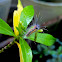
pixel 59 49
pixel 45 39
pixel 31 37
pixel 48 51
pixel 26 50
pixel 21 29
pixel 27 15
pixel 42 38
pixel 35 52
pixel 5 28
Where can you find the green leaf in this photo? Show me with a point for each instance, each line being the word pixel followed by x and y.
pixel 31 37
pixel 45 39
pixel 42 38
pixel 26 51
pixel 35 52
pixel 53 52
pixel 27 15
pixel 59 49
pixel 20 29
pixel 5 28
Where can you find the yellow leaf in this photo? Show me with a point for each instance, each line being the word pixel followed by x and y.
pixel 16 17
pixel 20 52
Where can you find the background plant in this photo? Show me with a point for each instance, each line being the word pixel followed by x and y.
pixel 54 53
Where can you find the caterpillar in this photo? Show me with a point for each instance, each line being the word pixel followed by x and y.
pixel 32 30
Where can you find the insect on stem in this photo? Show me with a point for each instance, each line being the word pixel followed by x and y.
pixel 37 26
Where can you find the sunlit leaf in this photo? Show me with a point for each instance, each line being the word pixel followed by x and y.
pixel 26 51
pixel 27 15
pixel 5 28
pixel 42 38
pixel 45 39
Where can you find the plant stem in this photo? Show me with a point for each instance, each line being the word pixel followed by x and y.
pixel 35 36
pixel 8 45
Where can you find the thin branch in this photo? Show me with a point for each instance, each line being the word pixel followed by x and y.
pixel 6 44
